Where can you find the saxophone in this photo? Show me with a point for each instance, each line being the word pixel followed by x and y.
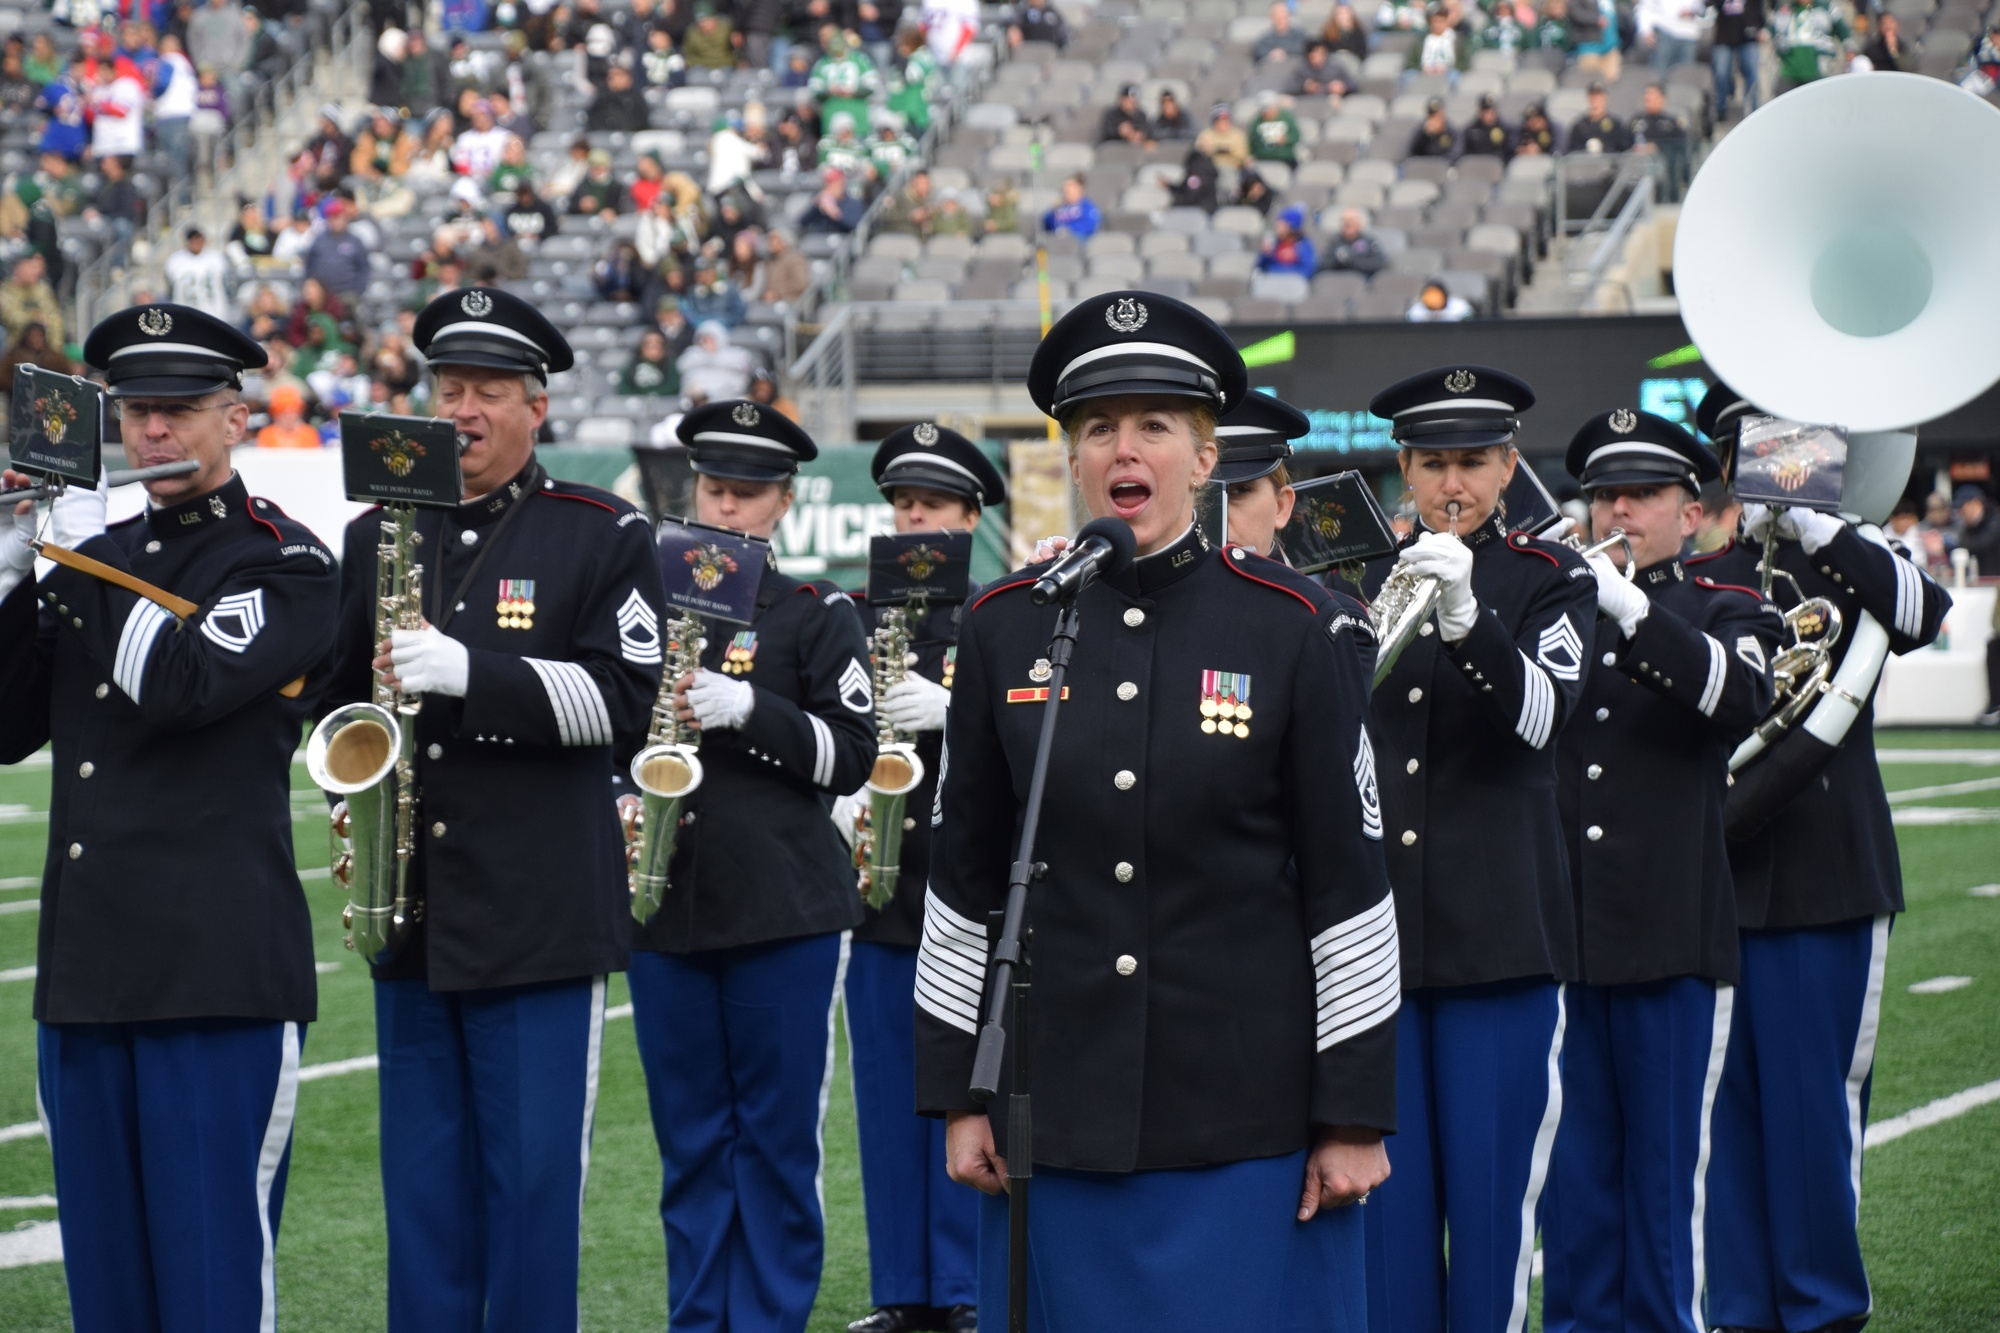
pixel 1402 604
pixel 365 754
pixel 878 825
pixel 665 772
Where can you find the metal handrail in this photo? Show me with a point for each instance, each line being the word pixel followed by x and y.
pixel 1637 205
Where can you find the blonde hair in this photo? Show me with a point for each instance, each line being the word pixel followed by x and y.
pixel 1199 415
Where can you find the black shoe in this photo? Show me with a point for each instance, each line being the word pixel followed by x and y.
pixel 894 1319
pixel 962 1319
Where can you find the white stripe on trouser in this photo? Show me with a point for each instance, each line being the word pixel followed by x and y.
pixel 1864 1052
pixel 826 1074
pixel 277 1133
pixel 1718 1051
pixel 592 1061
pixel 1538 1166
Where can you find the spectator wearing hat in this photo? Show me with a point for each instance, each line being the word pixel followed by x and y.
pixel 528 217
pixel 1003 208
pixel 1038 21
pixel 1739 24
pixel 787 273
pixel 1442 50
pixel 1808 38
pixel 712 297
pixel 1536 137
pixel 1288 249
pixel 833 210
pixel 199 276
pixel 1597 130
pixel 599 193
pixel 1076 214
pixel 1434 138
pixel 1126 121
pixel 890 149
pixel 1486 136
pixel 1976 529
pixel 1658 132
pixel 288 428
pixel 764 391
pixel 1352 249
pixel 844 79
pixel 1669 31
pixel 1172 123
pixel 1225 143
pixel 842 150
pixel 1436 304
pixel 338 258
pixel 714 367
pixel 1274 135
pixel 1282 41
pixel 620 107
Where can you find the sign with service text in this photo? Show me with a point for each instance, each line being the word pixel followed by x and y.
pixel 393 460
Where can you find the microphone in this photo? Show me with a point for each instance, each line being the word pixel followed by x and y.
pixel 1104 544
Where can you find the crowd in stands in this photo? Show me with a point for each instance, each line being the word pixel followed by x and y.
pixel 1964 520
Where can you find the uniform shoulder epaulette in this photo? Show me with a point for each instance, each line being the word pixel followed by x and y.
pixel 1714 586
pixel 292 536
pixel 1553 552
pixel 625 511
pixel 1716 554
pixel 1247 564
pixel 827 591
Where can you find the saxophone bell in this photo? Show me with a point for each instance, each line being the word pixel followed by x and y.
pixel 878 829
pixel 666 772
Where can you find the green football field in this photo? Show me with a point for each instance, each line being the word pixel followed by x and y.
pixel 1930 1208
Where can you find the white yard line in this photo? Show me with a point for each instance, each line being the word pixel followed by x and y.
pixel 18 973
pixel 31 905
pixel 29 1201
pixel 1923 816
pixel 36 1243
pixel 1940 985
pixel 1985 758
pixel 1947 789
pixel 11 882
pixel 1931 1113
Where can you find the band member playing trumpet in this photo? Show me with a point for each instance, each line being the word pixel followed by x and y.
pixel 1466 726
pixel 538 658
pixel 734 980
pixel 1682 672
pixel 1214 961
pixel 922 1225
pixel 174 976
pixel 1816 889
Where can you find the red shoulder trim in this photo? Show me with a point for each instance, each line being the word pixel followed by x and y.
pixel 1527 545
pixel 256 503
pixel 1712 585
pixel 1021 582
pixel 1234 565
pixel 554 494
pixel 1717 553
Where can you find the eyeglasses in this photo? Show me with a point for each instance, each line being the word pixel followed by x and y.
pixel 174 412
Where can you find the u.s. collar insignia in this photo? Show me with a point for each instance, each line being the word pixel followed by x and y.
pixel 476 304
pixel 1225 703
pixel 745 415
pixel 1125 315
pixel 1461 381
pixel 1040 671
pixel 740 657
pixel 155 323
pixel 216 507
pixel 517 604
pixel 1624 421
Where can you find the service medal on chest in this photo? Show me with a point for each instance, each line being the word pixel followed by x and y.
pixel 740 657
pixel 950 664
pixel 517 604
pixel 1225 704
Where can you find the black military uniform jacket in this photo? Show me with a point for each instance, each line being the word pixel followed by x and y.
pixel 520 858
pixel 169 891
pixel 1492 140
pixel 1441 143
pixel 758 859
pixel 1214 955
pixel 1466 734
pixel 1643 767
pixel 1831 855
pixel 935 642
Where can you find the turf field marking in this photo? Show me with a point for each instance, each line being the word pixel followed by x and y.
pixel 321 968
pixel 1985 890
pixel 1979 757
pixel 1947 789
pixel 21 814
pixel 1940 985
pixel 1929 815
pixel 1932 1113
pixel 20 882
pixel 36 1243
pixel 31 905
pixel 18 973
pixel 30 1201
pixel 31 1129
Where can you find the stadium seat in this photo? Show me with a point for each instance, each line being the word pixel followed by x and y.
pixel 1285 287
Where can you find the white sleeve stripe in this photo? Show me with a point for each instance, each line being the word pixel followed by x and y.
pixel 1718 673
pixel 1361 1023
pixel 1337 977
pixel 1367 922
pixel 952 974
pixel 1358 967
pixel 951 966
pixel 1909 598
pixel 822 750
pixel 949 1011
pixel 135 644
pixel 1332 965
pixel 581 717
pixel 1363 997
pixel 1538 704
pixel 955 937
pixel 972 929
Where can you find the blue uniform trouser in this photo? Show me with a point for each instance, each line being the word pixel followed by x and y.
pixel 1622 1232
pixel 922 1224
pixel 1479 1094
pixel 1785 1185
pixel 737 1046
pixel 487 1100
pixel 1184 1251
pixel 171 1142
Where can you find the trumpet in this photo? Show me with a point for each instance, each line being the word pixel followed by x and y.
pixel 365 754
pixel 665 772
pixel 878 825
pixel 1401 606
pixel 1566 532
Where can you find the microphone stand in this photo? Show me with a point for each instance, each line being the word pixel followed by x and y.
pixel 1007 1001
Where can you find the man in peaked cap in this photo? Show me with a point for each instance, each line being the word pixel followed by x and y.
pixel 1680 674
pixel 734 979
pixel 538 660
pixel 174 976
pixel 922 1225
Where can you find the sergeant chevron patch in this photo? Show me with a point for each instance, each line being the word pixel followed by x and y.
pixel 1560 650
pixel 1364 782
pixel 638 631
pixel 857 691
pixel 234 622
pixel 1751 651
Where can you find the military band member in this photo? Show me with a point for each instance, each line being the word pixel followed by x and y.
pixel 1253 443
pixel 1214 942
pixel 539 657
pixel 1465 728
pixel 735 979
pixel 1815 892
pixel 1681 673
pixel 174 972
pixel 922 1225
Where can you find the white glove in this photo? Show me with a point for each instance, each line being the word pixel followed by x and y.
pixel 719 703
pixel 1756 521
pixel 1047 549
pixel 78 515
pixel 914 703
pixel 429 661
pixel 1812 528
pixel 17 558
pixel 846 810
pixel 1617 598
pixel 1447 558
